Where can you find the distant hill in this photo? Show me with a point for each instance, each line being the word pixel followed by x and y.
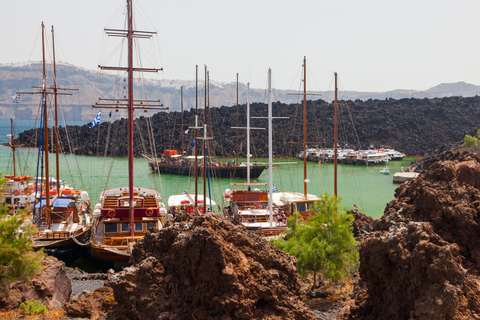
pixel 22 77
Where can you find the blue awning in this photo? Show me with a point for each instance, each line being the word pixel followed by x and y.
pixel 59 203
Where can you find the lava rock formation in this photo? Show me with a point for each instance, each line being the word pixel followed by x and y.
pixel 422 260
pixel 204 267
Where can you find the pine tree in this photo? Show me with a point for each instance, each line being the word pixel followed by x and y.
pixel 324 243
pixel 18 261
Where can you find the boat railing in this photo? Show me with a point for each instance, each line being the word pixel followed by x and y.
pixel 115 241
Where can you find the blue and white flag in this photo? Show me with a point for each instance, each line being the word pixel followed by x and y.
pixel 96 120
pixel 192 144
pixel 274 187
pixel 15 98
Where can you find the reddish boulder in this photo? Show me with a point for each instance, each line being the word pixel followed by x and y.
pixel 51 287
pixel 423 259
pixel 204 267
pixel 93 304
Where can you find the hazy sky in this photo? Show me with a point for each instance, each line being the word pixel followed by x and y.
pixel 374 45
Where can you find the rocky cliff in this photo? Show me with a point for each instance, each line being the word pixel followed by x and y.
pixel 422 260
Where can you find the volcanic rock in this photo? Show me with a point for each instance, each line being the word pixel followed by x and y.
pixel 204 267
pixel 92 304
pixel 51 287
pixel 422 260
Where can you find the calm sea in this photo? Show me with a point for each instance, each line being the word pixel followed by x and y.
pixel 364 187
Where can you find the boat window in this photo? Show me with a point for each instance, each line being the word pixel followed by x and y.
pixel 138 226
pixel 110 227
pixel 311 205
pixel 301 207
pixel 151 225
pixel 125 227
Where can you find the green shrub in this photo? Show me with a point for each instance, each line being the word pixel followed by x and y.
pixel 35 307
pixel 469 141
pixel 18 261
pixel 324 243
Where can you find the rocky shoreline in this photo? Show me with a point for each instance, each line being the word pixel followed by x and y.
pixel 419 261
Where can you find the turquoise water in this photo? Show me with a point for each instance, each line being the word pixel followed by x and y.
pixel 364 187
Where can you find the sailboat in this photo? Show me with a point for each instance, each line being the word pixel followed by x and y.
pixel 179 164
pixel 16 192
pixel 62 216
pixel 254 209
pixel 295 201
pixel 123 215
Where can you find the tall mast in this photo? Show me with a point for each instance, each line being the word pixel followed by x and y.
pixel 238 149
pixel 45 130
pixel 205 148
pixel 196 133
pixel 270 148
pixel 181 104
pixel 305 127
pixel 130 114
pixel 55 91
pixel 12 145
pixel 248 134
pixel 335 139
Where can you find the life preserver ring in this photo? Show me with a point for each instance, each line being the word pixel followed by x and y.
pixel 149 212
pixel 16 192
pixel 111 213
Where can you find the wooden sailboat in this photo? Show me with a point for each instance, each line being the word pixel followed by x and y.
pixel 123 215
pixel 294 201
pixel 254 209
pixel 173 163
pixel 63 217
pixel 16 192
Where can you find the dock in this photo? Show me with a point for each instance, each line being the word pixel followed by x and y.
pixel 401 177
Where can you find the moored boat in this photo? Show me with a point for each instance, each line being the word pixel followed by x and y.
pixel 177 165
pixel 112 238
pixel 123 215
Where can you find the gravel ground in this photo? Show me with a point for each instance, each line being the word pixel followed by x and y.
pixel 82 281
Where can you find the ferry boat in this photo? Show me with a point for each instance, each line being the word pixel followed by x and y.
pixel 370 157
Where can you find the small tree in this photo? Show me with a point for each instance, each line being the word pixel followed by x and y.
pixel 469 141
pixel 324 243
pixel 478 133
pixel 18 262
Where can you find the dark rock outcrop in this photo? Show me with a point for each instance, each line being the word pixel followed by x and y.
pixel 204 267
pixel 413 126
pixel 51 287
pixel 423 259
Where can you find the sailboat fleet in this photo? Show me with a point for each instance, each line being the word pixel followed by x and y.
pixel 65 217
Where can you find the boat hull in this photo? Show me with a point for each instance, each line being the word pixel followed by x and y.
pixel 217 172
pixel 54 243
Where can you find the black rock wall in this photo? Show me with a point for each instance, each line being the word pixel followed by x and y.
pixel 413 126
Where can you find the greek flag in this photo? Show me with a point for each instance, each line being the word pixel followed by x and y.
pixel 192 144
pixel 96 120
pixel 274 188
pixel 15 98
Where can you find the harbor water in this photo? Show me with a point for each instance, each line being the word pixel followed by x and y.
pixel 359 187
